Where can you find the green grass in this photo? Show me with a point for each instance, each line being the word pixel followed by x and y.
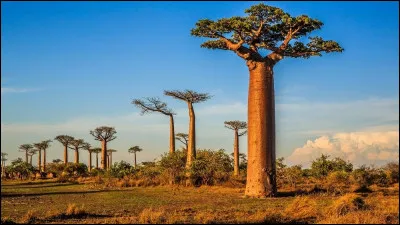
pixel 124 205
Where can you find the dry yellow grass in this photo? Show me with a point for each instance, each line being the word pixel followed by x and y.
pixel 302 207
pixel 151 216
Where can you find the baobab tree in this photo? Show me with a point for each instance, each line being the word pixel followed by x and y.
pixel 31 153
pixel 155 105
pixel 105 135
pixel 38 148
pixel 65 140
pixel 183 138
pixel 236 126
pixel 3 163
pixel 44 146
pixel 88 148
pixel 109 156
pixel 190 97
pixel 133 150
pixel 25 148
pixel 97 151
pixel 77 144
pixel 264 29
pixel 57 160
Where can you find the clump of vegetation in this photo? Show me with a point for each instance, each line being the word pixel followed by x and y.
pixel 75 211
pixel 121 169
pixel 29 217
pixel 347 203
pixel 153 216
pixel 302 208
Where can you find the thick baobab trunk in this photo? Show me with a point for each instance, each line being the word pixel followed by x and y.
pixel 171 135
pixel 30 161
pixel 44 160
pixel 26 156
pixel 135 159
pixel 40 161
pixel 236 154
pixel 97 160
pixel 65 154
pixel 108 162
pixel 76 155
pixel 103 162
pixel 191 154
pixel 261 133
pixel 90 161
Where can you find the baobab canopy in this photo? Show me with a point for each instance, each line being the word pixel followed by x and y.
pixel 264 27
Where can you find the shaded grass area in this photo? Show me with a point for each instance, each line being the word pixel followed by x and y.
pixel 48 201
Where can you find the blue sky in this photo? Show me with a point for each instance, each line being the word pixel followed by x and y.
pixel 67 67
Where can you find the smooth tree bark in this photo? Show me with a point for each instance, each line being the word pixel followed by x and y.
pixel 44 145
pixel 3 163
pixel 269 29
pixel 133 150
pixel 31 153
pixel 38 149
pixel 77 144
pixel 156 105
pixel 25 148
pixel 110 151
pixel 190 97
pixel 97 151
pixel 88 148
pixel 236 126
pixel 65 140
pixel 104 135
pixel 183 138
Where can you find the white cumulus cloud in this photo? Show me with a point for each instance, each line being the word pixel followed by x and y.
pixel 357 147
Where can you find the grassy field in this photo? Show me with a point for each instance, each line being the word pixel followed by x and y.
pixel 51 202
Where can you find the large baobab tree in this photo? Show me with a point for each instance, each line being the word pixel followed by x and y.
pixel 25 148
pixel 236 126
pixel 77 144
pixel 133 150
pixel 156 105
pixel 97 151
pixel 88 148
pixel 3 163
pixel 109 156
pixel 105 135
pixel 190 97
pixel 271 30
pixel 39 148
pixel 65 140
pixel 183 138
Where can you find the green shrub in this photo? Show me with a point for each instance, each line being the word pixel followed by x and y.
pixel 121 169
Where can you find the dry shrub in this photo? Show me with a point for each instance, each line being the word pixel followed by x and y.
pixel 29 217
pixel 131 182
pixel 123 183
pixel 73 210
pixel 338 182
pixel 347 203
pixel 7 220
pixel 151 216
pixel 302 208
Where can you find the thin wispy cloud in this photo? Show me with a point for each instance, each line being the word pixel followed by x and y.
pixel 5 90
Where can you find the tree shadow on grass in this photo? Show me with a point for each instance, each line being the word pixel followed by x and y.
pixel 9 195
pixel 29 183
pixel 43 186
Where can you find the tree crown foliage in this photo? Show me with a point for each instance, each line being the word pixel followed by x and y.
pixel 268 28
pixel 25 147
pixel 104 133
pixel 64 139
pixel 188 96
pixel 77 144
pixel 152 105
pixel 134 149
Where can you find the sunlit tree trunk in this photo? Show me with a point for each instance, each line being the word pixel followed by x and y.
pixel 97 160
pixel 44 160
pixel 104 155
pixel 76 155
pixel 30 160
pixel 171 134
pixel 26 156
pixel 135 158
pixel 90 161
pixel 261 133
pixel 65 154
pixel 236 154
pixel 192 137
pixel 40 160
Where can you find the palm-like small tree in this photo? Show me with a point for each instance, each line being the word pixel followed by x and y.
pixel 31 153
pixel 133 150
pixel 183 138
pixel 25 148
pixel 236 126
pixel 3 163
pixel 88 148
pixel 96 151
pixel 109 153
pixel 77 144
pixel 65 140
